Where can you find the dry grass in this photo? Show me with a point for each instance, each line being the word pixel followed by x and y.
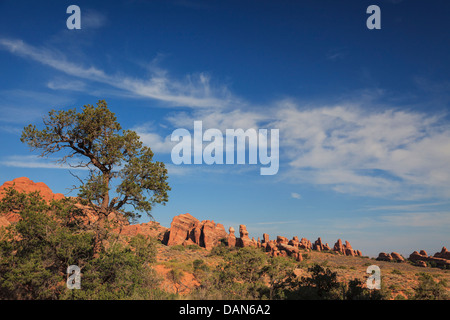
pixel 398 278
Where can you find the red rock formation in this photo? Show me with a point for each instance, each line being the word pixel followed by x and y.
pixel 244 240
pixel 182 228
pixel 231 238
pixel 338 247
pixel 26 185
pixel 318 245
pixel 421 263
pixel 282 240
pixel 211 234
pixel 384 257
pixel 305 244
pixel 444 254
pixel 348 249
pixel 150 229
pixel 422 256
pixel 185 229
pixel 397 257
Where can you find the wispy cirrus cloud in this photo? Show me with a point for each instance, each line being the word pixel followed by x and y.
pixel 35 162
pixel 296 195
pixel 349 147
pixel 385 152
pixel 194 91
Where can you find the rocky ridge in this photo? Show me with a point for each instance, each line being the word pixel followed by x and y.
pixel 187 230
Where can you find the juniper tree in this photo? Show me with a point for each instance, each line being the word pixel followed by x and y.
pixel 95 138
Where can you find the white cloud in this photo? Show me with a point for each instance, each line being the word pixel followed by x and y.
pixel 35 162
pixel 296 195
pixel 417 219
pixel 151 139
pixel 378 153
pixel 71 85
pixel 92 19
pixel 350 147
pixel 193 91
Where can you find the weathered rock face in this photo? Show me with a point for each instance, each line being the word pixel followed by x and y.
pixel 421 263
pixel 244 240
pixel 185 229
pixel 382 256
pixel 231 238
pixel 211 234
pixel 397 257
pixel 339 247
pixel 394 256
pixel 150 229
pixel 444 254
pixel 26 185
pixel 305 244
pixel 422 257
pixel 182 228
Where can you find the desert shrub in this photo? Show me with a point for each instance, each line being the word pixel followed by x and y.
pixel 429 289
pixel 36 251
pixel 193 247
pixel 178 247
pixel 395 271
pixel 199 264
pixel 280 274
pixel 356 291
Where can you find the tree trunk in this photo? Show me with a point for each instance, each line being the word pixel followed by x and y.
pixel 105 202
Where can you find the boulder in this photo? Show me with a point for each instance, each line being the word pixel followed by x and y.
pixel 290 250
pixel 397 257
pixel 421 263
pixel 382 256
pixel 305 244
pixel 282 240
pixel 444 254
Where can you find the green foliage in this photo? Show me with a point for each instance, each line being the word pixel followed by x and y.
pixel 97 140
pixel 199 264
pixel 395 271
pixel 356 291
pixel 36 251
pixel 193 247
pixel 280 274
pixel 178 247
pixel 323 281
pixel 429 289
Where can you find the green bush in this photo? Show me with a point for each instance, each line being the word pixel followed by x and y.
pixel 36 251
pixel 429 289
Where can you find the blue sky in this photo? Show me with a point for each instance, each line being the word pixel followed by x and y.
pixel 362 114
